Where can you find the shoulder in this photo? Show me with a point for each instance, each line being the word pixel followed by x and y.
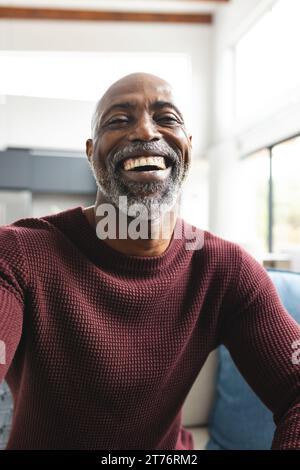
pixel 23 230
pixel 228 261
pixel 226 249
pixel 247 271
pixel 213 248
pixel 30 229
pixel 249 278
pixel 19 241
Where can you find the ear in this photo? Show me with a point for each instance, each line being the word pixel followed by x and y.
pixel 89 148
pixel 190 139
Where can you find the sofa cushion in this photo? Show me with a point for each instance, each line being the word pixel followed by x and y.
pixel 239 420
pixel 6 409
pixel 200 436
pixel 195 412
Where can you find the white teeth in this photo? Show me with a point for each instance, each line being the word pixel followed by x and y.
pixel 131 163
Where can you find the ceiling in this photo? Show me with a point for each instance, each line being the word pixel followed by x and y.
pixel 192 11
pixel 192 6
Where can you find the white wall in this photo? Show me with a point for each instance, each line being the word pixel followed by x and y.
pixel 46 123
pixel 14 205
pixel 57 123
pixel 230 20
pixel 230 139
pixel 223 153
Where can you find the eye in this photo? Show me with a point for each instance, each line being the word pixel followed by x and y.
pixel 118 120
pixel 168 119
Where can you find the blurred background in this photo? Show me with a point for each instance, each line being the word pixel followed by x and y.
pixel 234 67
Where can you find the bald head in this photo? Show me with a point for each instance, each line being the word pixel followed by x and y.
pixel 143 83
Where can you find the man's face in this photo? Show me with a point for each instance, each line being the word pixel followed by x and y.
pixel 141 149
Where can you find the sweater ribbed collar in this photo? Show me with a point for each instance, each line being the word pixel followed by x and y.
pixel 74 223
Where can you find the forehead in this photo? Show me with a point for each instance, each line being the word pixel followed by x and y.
pixel 141 92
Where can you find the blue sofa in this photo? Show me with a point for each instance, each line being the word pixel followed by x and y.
pixel 238 419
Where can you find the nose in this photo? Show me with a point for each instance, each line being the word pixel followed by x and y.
pixel 144 130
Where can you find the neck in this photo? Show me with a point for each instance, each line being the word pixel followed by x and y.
pixel 153 239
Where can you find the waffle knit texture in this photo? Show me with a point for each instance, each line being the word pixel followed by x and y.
pixel 102 348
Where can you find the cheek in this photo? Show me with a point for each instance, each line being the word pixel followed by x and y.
pixel 181 139
pixel 184 137
pixel 107 143
pixel 185 142
pixel 101 150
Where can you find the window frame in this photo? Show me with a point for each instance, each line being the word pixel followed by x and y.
pixel 269 149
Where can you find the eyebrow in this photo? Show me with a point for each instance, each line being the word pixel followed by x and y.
pixel 131 105
pixel 121 105
pixel 166 104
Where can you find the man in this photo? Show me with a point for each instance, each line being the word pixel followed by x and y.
pixel 109 315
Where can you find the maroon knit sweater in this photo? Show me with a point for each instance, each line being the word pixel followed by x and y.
pixel 103 348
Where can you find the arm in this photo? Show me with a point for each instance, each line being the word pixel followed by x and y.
pixel 261 336
pixel 12 288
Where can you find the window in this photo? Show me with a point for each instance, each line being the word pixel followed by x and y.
pixel 86 75
pixel 269 198
pixel 253 180
pixel 266 61
pixel 286 195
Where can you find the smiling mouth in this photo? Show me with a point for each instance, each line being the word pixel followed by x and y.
pixel 145 164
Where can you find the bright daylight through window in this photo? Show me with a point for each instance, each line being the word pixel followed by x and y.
pixel 267 66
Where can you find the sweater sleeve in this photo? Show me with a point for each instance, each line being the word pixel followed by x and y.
pixel 262 338
pixel 12 289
